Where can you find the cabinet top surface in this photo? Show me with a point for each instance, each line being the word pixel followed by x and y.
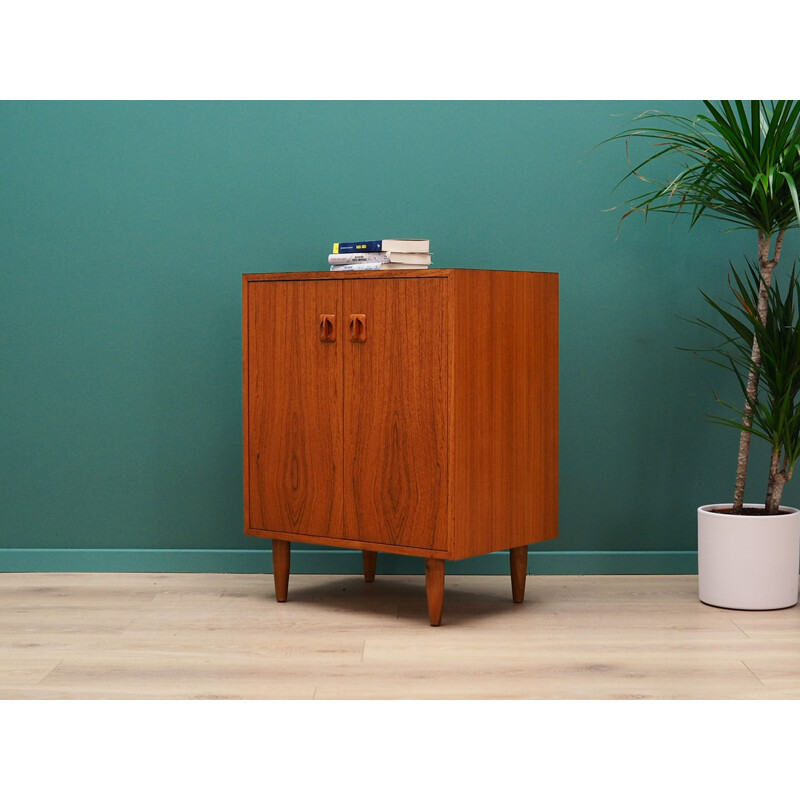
pixel 384 273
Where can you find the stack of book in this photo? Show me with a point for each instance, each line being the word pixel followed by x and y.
pixel 381 254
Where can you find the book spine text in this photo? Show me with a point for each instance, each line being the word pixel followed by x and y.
pixel 357 258
pixel 370 246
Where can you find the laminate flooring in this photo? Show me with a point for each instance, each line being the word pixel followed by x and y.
pixel 205 636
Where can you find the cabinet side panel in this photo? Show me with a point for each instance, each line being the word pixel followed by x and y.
pixel 506 410
pixel 245 404
pixel 293 439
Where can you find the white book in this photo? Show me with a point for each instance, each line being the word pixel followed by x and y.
pixel 362 265
pixel 357 258
pixel 385 257
pixel 409 258
pixel 373 265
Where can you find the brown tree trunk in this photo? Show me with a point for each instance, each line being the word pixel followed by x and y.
pixel 767 267
pixel 778 478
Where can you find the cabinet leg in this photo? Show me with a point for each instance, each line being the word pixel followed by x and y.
pixel 280 568
pixel 519 570
pixel 370 560
pixel 434 586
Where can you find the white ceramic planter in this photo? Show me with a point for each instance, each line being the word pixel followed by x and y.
pixel 748 562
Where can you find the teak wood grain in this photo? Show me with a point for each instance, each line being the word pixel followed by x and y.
pixel 294 422
pixel 395 414
pixel 411 411
pixel 505 410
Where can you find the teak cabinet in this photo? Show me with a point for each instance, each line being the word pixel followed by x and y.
pixel 402 411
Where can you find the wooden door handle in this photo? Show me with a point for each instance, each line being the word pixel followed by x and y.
pixel 358 327
pixel 327 328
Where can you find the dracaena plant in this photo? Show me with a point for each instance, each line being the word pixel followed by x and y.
pixel 775 415
pixel 738 162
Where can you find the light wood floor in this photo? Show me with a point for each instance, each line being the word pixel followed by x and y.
pixel 123 635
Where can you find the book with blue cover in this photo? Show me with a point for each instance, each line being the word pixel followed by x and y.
pixel 383 245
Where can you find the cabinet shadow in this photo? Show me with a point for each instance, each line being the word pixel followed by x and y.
pixel 402 597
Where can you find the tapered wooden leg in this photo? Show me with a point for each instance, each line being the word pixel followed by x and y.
pixel 280 569
pixel 519 570
pixel 370 560
pixel 434 585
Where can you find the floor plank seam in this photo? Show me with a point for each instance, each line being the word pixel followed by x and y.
pixel 49 673
pixel 742 632
pixel 753 673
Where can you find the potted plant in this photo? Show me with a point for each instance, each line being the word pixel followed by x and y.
pixel 739 162
pixel 749 559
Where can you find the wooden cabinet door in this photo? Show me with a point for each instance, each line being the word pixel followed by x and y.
pixel 395 411
pixel 294 407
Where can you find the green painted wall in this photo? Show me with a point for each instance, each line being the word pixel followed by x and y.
pixel 125 228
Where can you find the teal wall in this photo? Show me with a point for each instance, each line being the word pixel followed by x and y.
pixel 125 228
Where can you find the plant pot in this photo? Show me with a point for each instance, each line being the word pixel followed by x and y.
pixel 748 562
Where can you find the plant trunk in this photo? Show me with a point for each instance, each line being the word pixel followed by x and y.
pixel 778 478
pixel 767 266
